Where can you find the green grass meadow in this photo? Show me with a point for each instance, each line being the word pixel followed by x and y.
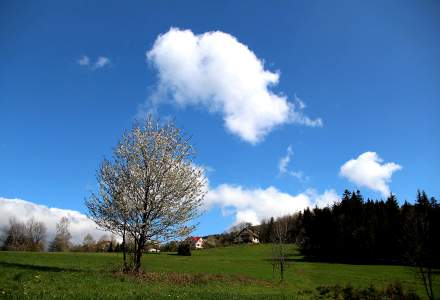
pixel 238 272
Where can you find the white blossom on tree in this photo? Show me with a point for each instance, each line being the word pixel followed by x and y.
pixel 151 189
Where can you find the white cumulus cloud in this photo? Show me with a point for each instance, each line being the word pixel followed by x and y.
pixel 216 71
pixel 368 170
pixel 255 205
pixel 22 210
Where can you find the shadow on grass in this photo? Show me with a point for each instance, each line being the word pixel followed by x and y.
pixel 36 267
pixel 311 259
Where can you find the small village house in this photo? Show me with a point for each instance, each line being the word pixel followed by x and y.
pixel 196 242
pixel 153 250
pixel 152 247
pixel 247 235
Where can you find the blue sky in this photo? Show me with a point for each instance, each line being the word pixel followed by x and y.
pixel 369 70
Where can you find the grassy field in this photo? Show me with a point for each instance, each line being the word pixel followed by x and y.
pixel 239 272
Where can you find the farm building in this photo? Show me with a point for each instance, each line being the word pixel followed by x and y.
pixel 247 235
pixel 152 247
pixel 196 242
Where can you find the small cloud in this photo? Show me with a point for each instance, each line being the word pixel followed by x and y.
pixel 300 176
pixel 84 60
pixel 100 62
pixel 284 161
pixel 283 165
pixel 208 169
pixel 368 170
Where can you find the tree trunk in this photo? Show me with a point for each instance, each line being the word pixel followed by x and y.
pixel 139 246
pixel 137 259
pixel 429 279
pixel 124 250
pixel 282 268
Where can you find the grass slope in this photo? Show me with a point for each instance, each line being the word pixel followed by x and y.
pixel 239 272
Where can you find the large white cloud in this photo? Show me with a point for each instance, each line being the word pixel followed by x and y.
pixel 368 170
pixel 22 210
pixel 254 205
pixel 218 72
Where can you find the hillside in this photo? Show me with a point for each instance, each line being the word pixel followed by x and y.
pixel 219 273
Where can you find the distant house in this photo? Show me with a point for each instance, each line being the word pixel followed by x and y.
pixel 196 242
pixel 153 250
pixel 247 235
pixel 152 247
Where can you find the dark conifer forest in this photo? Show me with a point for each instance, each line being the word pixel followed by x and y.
pixel 356 230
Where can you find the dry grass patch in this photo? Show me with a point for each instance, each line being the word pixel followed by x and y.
pixel 191 278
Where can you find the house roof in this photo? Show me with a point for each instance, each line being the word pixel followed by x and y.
pixel 195 238
pixel 249 230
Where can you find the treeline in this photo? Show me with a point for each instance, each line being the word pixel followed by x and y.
pixel 358 230
pixel 211 241
pixel 20 236
pixel 224 239
pixel 103 244
pixel 32 236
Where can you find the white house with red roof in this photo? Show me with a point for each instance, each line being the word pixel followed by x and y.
pixel 197 242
